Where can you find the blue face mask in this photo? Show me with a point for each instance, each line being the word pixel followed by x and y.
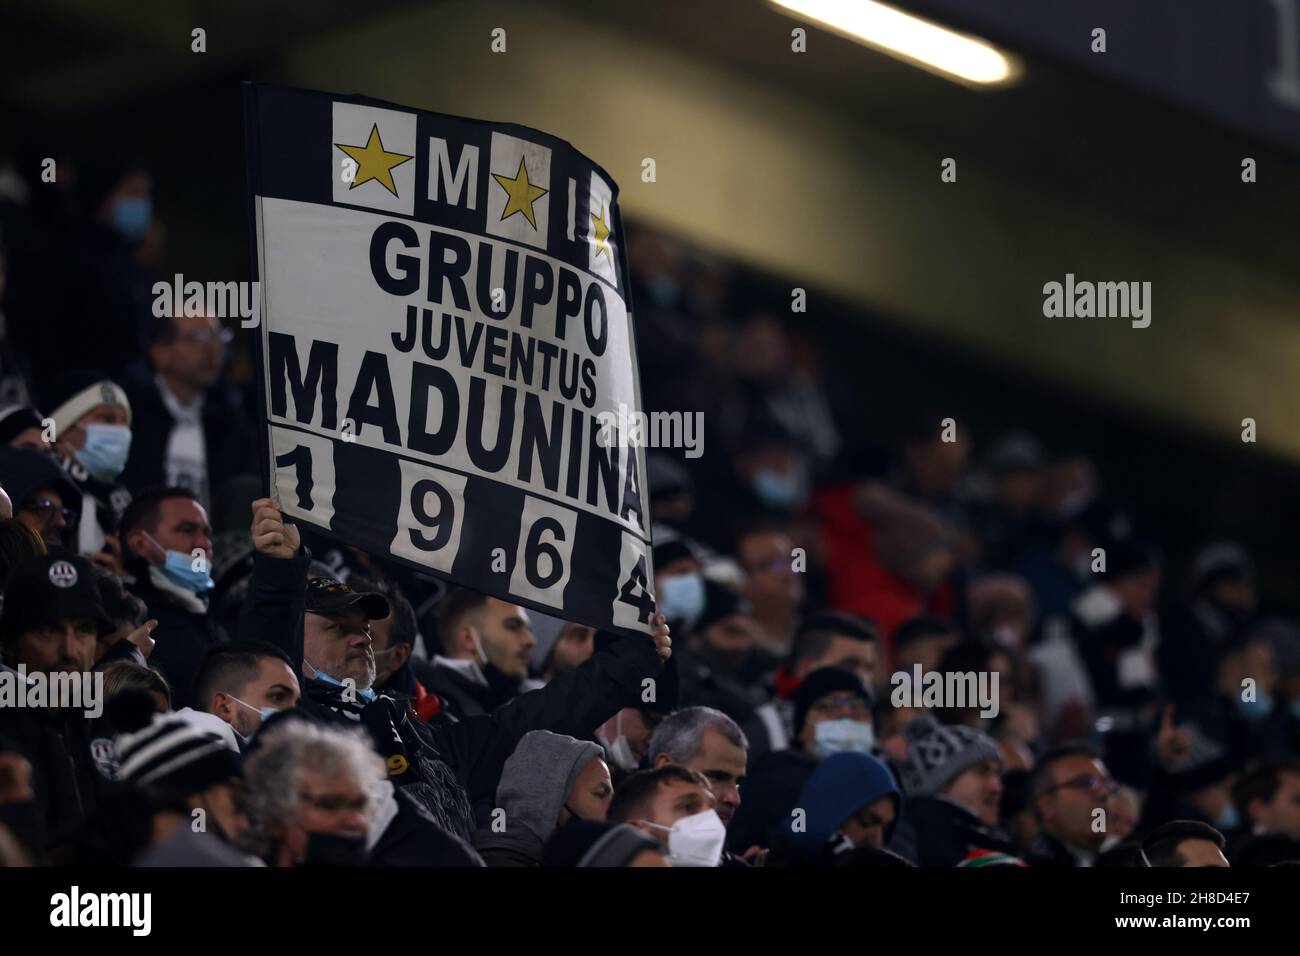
pixel 681 598
pixel 263 713
pixel 106 450
pixel 777 489
pixel 131 217
pixel 1258 709
pixel 178 568
pixel 367 695
pixel 843 736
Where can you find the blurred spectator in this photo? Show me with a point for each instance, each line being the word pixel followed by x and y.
pixel 953 787
pixel 189 431
pixel 43 498
pixel 822 640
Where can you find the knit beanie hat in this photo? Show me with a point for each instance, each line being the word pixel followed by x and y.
pixel 596 843
pixel 937 754
pixel 75 393
pixel 172 753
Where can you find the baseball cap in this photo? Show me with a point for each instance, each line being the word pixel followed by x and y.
pixel 329 596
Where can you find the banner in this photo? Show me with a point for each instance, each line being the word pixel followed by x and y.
pixel 445 333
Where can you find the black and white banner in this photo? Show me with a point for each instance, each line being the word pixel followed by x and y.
pixel 444 320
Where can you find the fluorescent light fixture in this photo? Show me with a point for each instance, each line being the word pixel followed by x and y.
pixel 955 56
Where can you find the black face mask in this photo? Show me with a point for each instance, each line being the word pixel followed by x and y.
pixel 332 849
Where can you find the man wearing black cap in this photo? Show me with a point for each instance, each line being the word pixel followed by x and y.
pixel 51 622
pixel 44 498
pixel 454 767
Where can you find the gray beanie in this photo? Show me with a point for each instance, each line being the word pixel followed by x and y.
pixel 938 754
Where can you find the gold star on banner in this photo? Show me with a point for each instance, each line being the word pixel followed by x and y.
pixel 522 194
pixel 374 162
pixel 601 226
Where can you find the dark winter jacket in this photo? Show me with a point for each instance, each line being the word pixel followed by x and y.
pixel 183 637
pixel 455 762
pixel 771 791
pixel 937 832
pixel 227 436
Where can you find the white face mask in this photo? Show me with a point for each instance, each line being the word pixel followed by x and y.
pixel 620 751
pixel 695 840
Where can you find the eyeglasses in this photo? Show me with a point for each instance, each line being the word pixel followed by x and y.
pixel 840 702
pixel 224 336
pixel 1087 781
pixel 47 509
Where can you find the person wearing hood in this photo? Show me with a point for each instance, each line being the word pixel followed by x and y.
pixel 92 441
pixel 548 781
pixel 44 498
pixel 167 547
pixel 851 801
pixel 832 714
pixel 952 779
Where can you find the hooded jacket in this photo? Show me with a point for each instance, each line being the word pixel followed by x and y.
pixel 841 785
pixel 535 785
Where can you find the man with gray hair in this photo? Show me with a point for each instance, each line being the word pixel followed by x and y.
pixel 707 740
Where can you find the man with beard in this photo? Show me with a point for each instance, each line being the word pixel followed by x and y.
pixel 486 647
pixel 50 626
